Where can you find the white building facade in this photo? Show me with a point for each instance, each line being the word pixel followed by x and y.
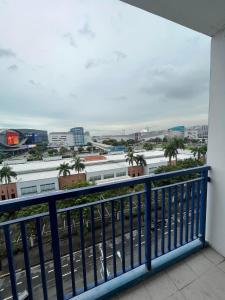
pixel 61 139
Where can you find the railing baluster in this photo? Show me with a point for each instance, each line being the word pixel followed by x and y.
pixel 203 205
pixel 192 210
pixel 122 234
pixel 26 259
pixel 148 247
pixel 169 219
pixel 175 217
pixel 56 249
pixel 42 259
pixel 93 245
pixel 113 238
pixel 82 248
pixel 104 241
pixel 197 209
pixel 193 191
pixel 187 213
pixel 70 242
pixel 156 223
pixel 181 212
pixel 131 232
pixel 9 252
pixel 139 230
pixel 163 222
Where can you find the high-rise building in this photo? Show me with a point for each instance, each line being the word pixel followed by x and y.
pixel 203 132
pixel 78 134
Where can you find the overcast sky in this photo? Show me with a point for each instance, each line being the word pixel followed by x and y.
pixel 103 65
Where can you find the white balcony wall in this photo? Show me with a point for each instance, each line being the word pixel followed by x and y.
pixel 216 146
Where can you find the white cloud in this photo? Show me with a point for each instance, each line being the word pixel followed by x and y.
pixel 97 69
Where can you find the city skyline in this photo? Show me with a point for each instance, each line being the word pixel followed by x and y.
pixel 64 70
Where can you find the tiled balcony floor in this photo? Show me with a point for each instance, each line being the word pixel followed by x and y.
pixel 198 277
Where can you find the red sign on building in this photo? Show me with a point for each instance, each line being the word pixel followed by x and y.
pixel 12 138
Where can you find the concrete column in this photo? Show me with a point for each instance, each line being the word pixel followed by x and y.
pixel 216 148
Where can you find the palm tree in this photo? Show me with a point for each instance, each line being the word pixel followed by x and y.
pixel 196 151
pixel 78 165
pixel 6 174
pixel 64 169
pixel 179 144
pixel 130 158
pixel 170 150
pixel 140 160
pixel 203 150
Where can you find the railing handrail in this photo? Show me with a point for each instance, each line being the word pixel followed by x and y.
pixel 183 201
pixel 19 203
pixel 93 203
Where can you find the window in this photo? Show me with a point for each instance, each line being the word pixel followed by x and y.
pixel 107 176
pixel 47 187
pixel 95 178
pixel 3 197
pixel 120 174
pixel 28 190
pixel 13 196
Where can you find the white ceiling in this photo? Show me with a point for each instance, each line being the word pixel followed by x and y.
pixel 205 16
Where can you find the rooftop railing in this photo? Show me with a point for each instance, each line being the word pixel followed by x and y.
pixel 62 244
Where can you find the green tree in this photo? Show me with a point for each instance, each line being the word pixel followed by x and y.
pixel 200 152
pixel 63 150
pixel 140 160
pixel 203 150
pixel 179 144
pixel 196 152
pixel 89 149
pixel 148 146
pixel 78 165
pixel 182 164
pixel 170 150
pixel 52 152
pixel 80 149
pixel 130 158
pixel 64 169
pixel 6 174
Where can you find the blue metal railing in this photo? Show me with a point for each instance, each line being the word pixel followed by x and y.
pixel 99 240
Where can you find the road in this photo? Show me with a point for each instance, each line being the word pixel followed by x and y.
pixel 5 287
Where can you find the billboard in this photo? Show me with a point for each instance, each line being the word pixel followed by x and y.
pixel 12 138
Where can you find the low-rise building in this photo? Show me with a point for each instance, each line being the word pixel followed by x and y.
pixel 8 191
pixel 42 176
pixel 61 139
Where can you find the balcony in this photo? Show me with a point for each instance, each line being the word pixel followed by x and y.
pixel 200 276
pixel 93 242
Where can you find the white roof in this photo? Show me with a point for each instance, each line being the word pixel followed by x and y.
pixel 47 169
pixel 105 167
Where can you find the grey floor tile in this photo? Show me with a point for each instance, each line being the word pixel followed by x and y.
pixel 160 286
pixel 138 292
pixel 176 296
pixel 195 291
pixel 212 255
pixel 181 274
pixel 199 263
pixel 221 266
pixel 215 282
